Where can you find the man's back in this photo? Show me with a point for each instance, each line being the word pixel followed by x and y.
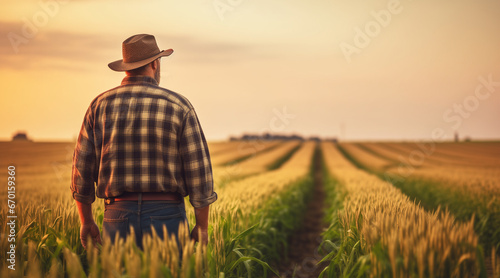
pixel 148 140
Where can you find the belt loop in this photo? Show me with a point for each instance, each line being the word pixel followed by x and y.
pixel 109 201
pixel 139 197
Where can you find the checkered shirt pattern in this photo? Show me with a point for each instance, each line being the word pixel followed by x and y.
pixel 139 137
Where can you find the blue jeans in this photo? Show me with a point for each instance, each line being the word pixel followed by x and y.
pixel 142 216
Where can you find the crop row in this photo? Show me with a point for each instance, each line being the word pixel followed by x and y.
pixel 380 232
pixel 466 191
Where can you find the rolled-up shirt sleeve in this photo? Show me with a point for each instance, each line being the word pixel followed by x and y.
pixel 197 168
pixel 83 176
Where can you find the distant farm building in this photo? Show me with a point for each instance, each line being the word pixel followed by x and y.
pixel 20 136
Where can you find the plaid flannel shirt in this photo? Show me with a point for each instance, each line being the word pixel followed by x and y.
pixel 139 137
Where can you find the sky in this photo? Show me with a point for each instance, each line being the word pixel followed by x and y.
pixel 353 70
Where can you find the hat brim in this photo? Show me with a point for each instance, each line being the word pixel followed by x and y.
pixel 123 66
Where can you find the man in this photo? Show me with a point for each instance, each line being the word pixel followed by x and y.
pixel 144 149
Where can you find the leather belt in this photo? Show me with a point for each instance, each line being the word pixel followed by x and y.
pixel 145 196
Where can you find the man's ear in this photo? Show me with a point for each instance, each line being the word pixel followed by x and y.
pixel 154 64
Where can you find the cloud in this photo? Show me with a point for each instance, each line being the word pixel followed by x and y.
pixel 48 49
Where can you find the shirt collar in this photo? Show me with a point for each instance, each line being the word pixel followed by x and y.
pixel 128 80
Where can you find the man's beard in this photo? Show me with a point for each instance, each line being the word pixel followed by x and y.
pixel 157 75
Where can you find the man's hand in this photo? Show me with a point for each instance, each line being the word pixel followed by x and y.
pixel 90 229
pixel 198 232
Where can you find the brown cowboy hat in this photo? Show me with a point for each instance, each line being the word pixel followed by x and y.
pixel 138 50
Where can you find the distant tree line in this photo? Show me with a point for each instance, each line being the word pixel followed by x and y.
pixel 269 137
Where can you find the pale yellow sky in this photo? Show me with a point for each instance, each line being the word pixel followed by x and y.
pixel 379 69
